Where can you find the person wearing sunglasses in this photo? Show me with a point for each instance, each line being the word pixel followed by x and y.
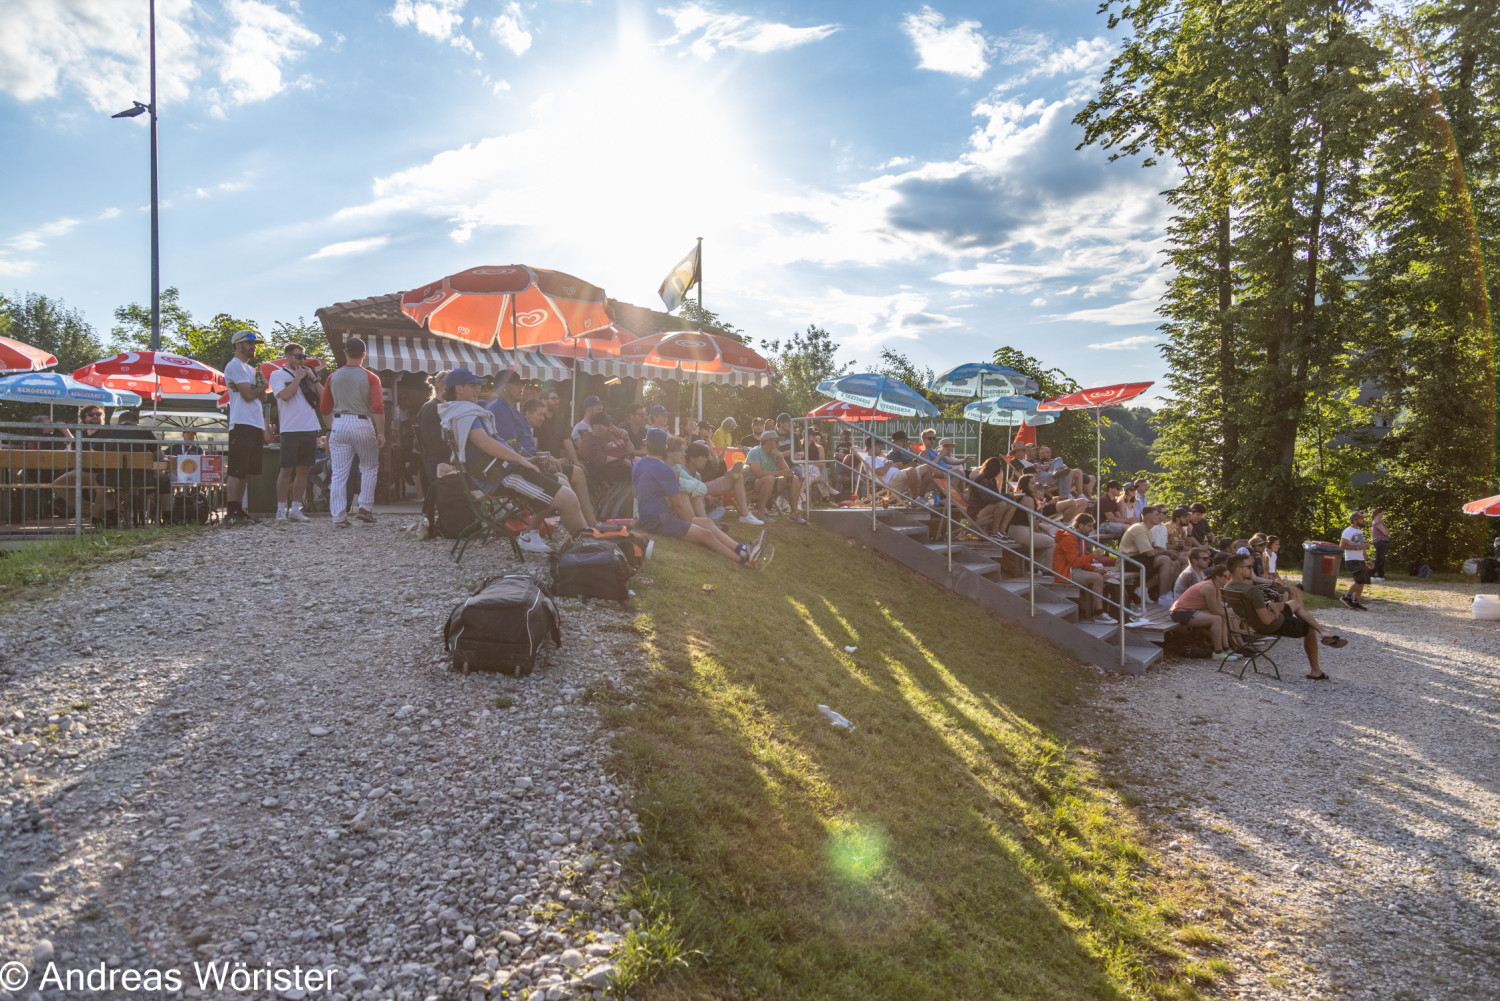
pixel 93 493
pixel 298 393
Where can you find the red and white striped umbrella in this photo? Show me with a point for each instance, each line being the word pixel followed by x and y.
pixel 17 356
pixel 1489 506
pixel 155 375
pixel 1096 398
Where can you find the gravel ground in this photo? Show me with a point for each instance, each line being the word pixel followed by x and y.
pixel 1350 825
pixel 247 747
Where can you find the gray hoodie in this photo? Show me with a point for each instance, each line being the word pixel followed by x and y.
pixel 458 417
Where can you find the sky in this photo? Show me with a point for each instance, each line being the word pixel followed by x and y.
pixel 902 175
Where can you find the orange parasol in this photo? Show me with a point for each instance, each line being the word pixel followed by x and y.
pixel 508 307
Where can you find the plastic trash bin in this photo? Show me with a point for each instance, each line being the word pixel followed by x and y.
pixel 1320 568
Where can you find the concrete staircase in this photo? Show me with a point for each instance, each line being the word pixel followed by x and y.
pixel 979 574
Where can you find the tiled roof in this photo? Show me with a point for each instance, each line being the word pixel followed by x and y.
pixel 378 311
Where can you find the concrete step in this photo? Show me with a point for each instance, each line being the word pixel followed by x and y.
pixel 1143 654
pixel 982 567
pixel 1061 609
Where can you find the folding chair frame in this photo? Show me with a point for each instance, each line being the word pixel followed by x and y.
pixel 491 512
pixel 1254 649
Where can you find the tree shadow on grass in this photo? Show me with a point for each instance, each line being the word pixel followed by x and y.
pixel 947 848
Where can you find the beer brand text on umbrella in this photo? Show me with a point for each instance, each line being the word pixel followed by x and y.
pixel 839 410
pixel 18 356
pixel 56 388
pixel 980 379
pixel 879 392
pixel 511 306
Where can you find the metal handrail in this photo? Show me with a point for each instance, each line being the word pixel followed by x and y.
pixel 947 516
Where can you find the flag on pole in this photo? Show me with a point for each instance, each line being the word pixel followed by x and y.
pixel 687 273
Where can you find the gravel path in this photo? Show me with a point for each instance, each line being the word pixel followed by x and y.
pixel 247 747
pixel 1351 824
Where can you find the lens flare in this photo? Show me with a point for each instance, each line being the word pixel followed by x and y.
pixel 858 851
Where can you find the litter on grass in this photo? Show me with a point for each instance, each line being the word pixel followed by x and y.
pixel 710 587
pixel 850 649
pixel 836 719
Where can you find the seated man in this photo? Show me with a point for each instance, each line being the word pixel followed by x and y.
pixel 498 465
pixel 1196 572
pixel 1136 543
pixel 1111 515
pixel 1055 472
pixel 771 475
pixel 1198 526
pixel 664 508
pixel 889 475
pixel 731 483
pixel 605 451
pixel 591 405
pixel 901 454
pixel 1278 618
pixel 757 428
pixel 1161 538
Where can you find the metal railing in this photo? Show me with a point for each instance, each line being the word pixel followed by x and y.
pixel 1125 564
pixel 66 479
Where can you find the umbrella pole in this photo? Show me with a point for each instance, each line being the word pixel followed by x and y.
pixel 1099 480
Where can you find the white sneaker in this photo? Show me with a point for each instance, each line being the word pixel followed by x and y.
pixel 280 516
pixel 531 541
pixel 1165 601
pixel 750 519
pixel 1106 619
pixel 296 515
pixel 1381 579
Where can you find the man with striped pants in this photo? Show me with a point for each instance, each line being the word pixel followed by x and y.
pixel 352 397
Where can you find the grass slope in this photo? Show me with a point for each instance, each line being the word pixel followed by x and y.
pixel 42 568
pixel 951 847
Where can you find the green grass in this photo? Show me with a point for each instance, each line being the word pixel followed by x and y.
pixel 951 847
pixel 42 568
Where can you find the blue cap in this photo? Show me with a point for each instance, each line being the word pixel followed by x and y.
pixel 591 401
pixel 657 437
pixel 460 377
pixel 658 409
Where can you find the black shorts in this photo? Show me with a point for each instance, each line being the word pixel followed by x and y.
pixel 298 448
pixel 1183 615
pixel 1359 570
pixel 536 489
pixel 1292 627
pixel 245 444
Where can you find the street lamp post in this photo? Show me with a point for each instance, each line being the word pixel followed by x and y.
pixel 136 109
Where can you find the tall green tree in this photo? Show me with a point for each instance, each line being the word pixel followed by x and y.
pixel 210 343
pixel 46 323
pixel 799 363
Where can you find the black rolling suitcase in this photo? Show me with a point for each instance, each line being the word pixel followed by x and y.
pixel 502 626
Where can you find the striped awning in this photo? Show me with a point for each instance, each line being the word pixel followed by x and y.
pixel 679 373
pixel 387 353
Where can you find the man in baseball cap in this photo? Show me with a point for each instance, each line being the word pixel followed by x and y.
pixel 248 433
pixel 771 475
pixel 1352 542
pixel 659 417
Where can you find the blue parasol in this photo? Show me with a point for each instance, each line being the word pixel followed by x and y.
pixel 878 392
pixel 54 387
pixel 1007 412
pixel 982 379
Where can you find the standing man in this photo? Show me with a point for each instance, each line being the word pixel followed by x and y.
pixel 1381 536
pixel 352 396
pixel 297 393
pixel 248 433
pixel 1352 542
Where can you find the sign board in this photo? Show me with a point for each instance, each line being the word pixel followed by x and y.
pixel 200 469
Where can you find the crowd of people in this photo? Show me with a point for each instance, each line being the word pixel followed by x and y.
pixel 512 436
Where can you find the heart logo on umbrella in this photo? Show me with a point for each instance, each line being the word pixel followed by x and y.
pixel 532 318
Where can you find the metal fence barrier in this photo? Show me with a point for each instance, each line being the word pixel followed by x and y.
pixel 67 479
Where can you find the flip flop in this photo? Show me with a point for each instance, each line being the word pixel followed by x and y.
pixel 1317 677
pixel 1335 641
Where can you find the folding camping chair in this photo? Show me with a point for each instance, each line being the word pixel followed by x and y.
pixel 498 515
pixel 1252 647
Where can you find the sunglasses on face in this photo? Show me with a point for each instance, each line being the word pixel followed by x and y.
pixel 297 357
pixel 92 414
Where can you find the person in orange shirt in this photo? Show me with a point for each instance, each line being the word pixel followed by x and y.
pixel 1070 563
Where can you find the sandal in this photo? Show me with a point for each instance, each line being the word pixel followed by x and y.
pixel 1317 677
pixel 1335 641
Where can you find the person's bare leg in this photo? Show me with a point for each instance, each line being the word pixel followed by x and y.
pixel 700 508
pixel 794 495
pixel 716 531
pixel 1165 575
pixel 284 493
pixel 763 487
pixel 580 487
pixel 741 502
pixel 1310 646
pixel 699 535
pixel 565 502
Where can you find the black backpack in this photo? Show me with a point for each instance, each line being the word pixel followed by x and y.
pixel 592 568
pixel 190 507
pixel 502 626
pixel 454 515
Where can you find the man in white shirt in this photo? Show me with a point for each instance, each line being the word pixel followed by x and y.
pixel 1160 542
pixel 1352 542
pixel 295 387
pixel 591 405
pixel 248 433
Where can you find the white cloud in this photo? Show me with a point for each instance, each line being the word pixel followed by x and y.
pixel 716 30
pixel 959 49
pixel 510 29
pixel 1126 344
pixel 439 19
pixel 223 187
pixel 251 59
pixel 98 48
pixel 348 247
pixel 109 213
pixel 12 265
pixel 1038 56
